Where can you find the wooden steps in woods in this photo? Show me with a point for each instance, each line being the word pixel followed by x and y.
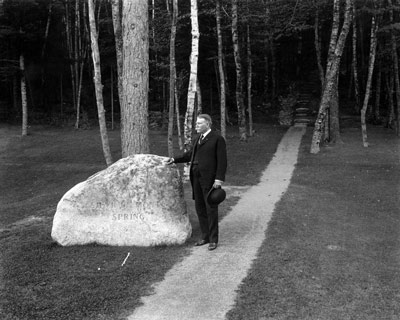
pixel 303 114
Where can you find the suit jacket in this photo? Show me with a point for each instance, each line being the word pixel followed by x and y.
pixel 211 157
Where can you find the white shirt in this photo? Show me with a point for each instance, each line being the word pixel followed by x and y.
pixel 203 135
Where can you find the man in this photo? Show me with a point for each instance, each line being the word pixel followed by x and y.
pixel 207 170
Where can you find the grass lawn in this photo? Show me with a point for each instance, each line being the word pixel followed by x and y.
pixel 41 280
pixel 332 248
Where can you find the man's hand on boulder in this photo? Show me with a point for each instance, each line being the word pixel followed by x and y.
pixel 170 161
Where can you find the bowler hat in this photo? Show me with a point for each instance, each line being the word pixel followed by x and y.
pixel 215 196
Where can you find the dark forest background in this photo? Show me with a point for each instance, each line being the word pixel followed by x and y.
pixel 284 60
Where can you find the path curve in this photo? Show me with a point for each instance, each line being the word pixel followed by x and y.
pixel 204 284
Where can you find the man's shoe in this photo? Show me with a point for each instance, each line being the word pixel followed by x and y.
pixel 201 243
pixel 212 246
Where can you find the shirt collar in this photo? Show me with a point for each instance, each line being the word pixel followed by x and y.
pixel 206 133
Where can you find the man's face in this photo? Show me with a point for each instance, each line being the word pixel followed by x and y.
pixel 201 125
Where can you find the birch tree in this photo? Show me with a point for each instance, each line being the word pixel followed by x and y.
pixel 238 66
pixel 98 85
pixel 135 75
pixel 331 75
pixel 172 77
pixel 77 51
pixel 191 96
pixel 372 55
pixel 331 123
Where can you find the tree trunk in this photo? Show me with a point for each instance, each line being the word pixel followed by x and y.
pixel 274 85
pixel 81 48
pixel 395 58
pixel 211 94
pixel 153 16
pixel 61 96
pixel 46 34
pixel 372 55
pixel 112 96
pixel 97 21
pixel 267 51
pixel 249 81
pixel 362 55
pixel 350 85
pixel 238 63
pixel 355 64
pixel 392 116
pixel 23 96
pixel 376 113
pixel 193 74
pixel 215 63
pixel 266 70
pixel 79 93
pixel 154 53
pixel 334 34
pixel 77 50
pixel 76 63
pixel 117 24
pixel 135 75
pixel 68 33
pixel 16 93
pixel 334 125
pixel 221 70
pixel 199 98
pixel 98 85
pixel 317 44
pixel 172 78
pixel 331 75
pixel 178 118
pixel 390 89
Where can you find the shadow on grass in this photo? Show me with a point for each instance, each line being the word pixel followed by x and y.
pixel 332 246
pixel 42 280
pixel 47 281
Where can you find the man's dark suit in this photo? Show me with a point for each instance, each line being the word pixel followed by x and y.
pixel 208 163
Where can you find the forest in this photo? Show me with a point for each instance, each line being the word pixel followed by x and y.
pixel 242 61
pixel 86 82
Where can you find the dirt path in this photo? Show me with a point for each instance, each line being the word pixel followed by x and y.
pixel 203 285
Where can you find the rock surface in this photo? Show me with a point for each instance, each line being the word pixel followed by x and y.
pixel 138 200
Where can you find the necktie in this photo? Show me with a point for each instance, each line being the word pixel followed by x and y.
pixel 201 138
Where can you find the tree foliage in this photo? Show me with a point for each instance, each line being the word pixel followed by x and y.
pixel 283 55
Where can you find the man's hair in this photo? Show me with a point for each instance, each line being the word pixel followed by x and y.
pixel 206 117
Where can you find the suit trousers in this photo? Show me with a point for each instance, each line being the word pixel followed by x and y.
pixel 207 215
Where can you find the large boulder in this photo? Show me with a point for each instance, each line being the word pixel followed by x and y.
pixel 138 200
